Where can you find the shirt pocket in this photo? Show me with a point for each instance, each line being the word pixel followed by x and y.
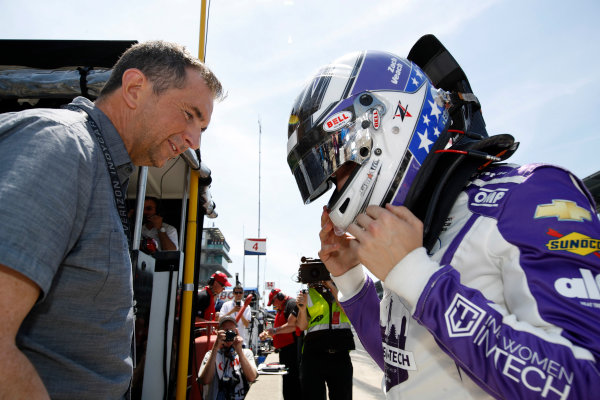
pixel 117 289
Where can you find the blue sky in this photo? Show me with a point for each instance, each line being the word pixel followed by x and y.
pixel 533 65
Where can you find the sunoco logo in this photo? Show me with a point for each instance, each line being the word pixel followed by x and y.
pixel 574 242
pixel 463 317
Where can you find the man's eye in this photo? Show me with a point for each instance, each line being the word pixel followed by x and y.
pixel 188 115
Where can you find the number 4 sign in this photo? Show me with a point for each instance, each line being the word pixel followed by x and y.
pixel 255 247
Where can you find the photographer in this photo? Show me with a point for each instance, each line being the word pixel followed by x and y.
pixel 327 342
pixel 233 307
pixel 227 370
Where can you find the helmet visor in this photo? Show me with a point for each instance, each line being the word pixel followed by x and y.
pixel 314 168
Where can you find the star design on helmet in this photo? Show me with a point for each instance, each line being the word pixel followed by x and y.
pixel 425 142
pixel 415 81
pixel 435 111
pixel 436 132
pixel 426 119
pixel 418 73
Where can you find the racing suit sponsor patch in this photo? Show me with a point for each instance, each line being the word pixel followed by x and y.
pixel 462 317
pixel 563 210
pixel 399 358
pixel 586 286
pixel 513 360
pixel 574 242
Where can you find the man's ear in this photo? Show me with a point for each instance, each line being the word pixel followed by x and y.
pixel 134 87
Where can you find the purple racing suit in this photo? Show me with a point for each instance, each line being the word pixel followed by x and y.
pixel 506 305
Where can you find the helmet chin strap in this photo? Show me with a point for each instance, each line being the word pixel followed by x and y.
pixel 444 175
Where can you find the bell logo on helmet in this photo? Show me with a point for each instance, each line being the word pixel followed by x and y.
pixel 337 121
pixel 375 116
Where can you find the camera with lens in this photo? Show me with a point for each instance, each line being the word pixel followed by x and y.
pixel 312 270
pixel 230 335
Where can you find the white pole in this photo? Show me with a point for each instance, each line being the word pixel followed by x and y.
pixel 264 281
pixel 258 257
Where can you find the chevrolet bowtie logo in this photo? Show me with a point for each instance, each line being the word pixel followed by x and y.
pixel 563 210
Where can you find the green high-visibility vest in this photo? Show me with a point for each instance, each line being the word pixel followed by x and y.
pixel 322 315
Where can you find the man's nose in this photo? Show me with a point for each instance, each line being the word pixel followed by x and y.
pixel 192 136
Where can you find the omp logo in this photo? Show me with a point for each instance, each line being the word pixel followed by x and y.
pixel 488 198
pixel 574 242
pixel 563 210
pixel 584 287
pixel 463 317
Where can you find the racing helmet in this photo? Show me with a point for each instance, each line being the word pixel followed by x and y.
pixel 371 108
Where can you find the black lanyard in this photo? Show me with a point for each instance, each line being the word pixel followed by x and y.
pixel 112 171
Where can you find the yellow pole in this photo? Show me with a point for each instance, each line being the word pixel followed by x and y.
pixel 202 38
pixel 188 290
pixel 190 257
